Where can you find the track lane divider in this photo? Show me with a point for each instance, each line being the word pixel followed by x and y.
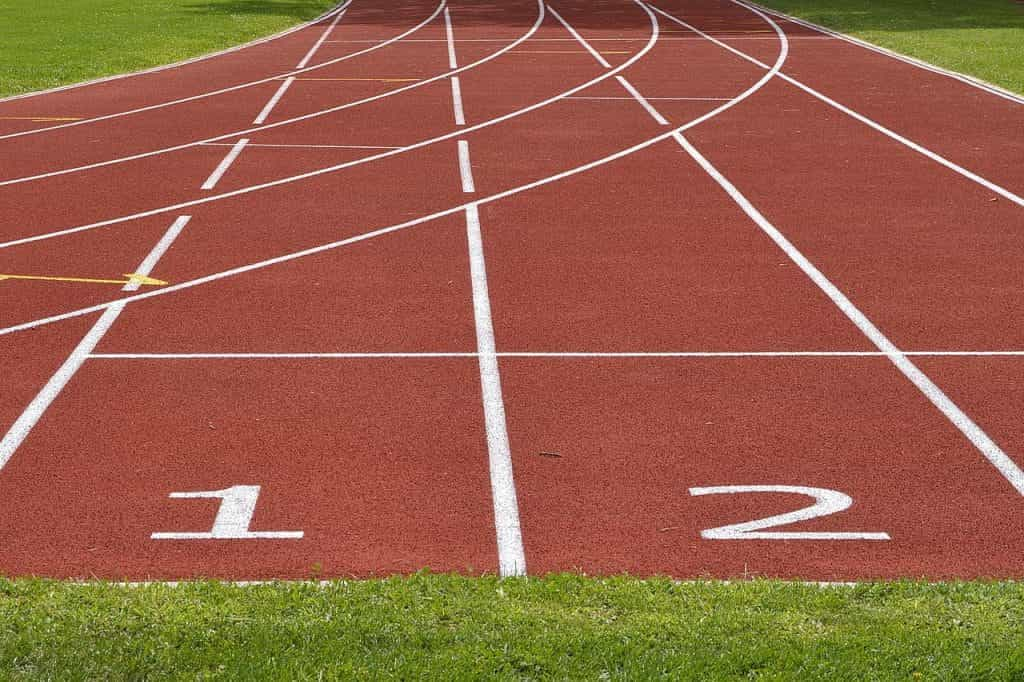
pixel 316 46
pixel 262 117
pixel 27 420
pixel 225 163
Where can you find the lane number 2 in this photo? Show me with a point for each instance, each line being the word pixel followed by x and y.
pixel 237 506
pixel 826 502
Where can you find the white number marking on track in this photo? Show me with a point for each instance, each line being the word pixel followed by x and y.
pixel 238 503
pixel 826 502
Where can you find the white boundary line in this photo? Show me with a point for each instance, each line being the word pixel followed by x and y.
pixel 569 355
pixel 373 234
pixel 285 122
pixel 16 435
pixel 999 459
pixel 511 555
pixel 466 168
pixel 460 116
pixel 453 63
pixel 594 53
pixel 224 164
pixel 176 65
pixel 655 114
pixel 972 81
pixel 316 46
pixel 304 146
pixel 941 160
pixel 232 88
pixel 273 101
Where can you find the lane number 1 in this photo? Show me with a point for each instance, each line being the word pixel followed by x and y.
pixel 237 506
pixel 826 502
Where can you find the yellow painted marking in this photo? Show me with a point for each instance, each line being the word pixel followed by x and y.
pixel 38 119
pixel 132 277
pixel 379 80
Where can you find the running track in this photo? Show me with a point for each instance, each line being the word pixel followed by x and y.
pixel 681 288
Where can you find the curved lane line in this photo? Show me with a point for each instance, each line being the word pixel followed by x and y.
pixel 233 88
pixel 295 255
pixel 288 121
pixel 184 62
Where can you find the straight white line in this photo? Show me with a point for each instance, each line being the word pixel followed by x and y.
pixel 466 168
pixel 224 164
pixel 460 117
pixel 672 99
pixel 1005 193
pixel 33 413
pixel 594 53
pixel 274 100
pixel 450 37
pixel 592 40
pixel 991 88
pixel 643 102
pixel 1006 466
pixel 158 251
pixel 511 556
pixel 554 354
pixel 303 146
pixel 317 44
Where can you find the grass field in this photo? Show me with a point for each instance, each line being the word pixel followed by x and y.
pixel 560 627
pixel 982 38
pixel 46 43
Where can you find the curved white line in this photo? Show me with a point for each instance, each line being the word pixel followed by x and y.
pixel 288 121
pixel 295 255
pixel 184 62
pixel 241 86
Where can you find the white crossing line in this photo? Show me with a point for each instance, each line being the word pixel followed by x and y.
pixel 643 102
pixel 569 355
pixel 511 556
pixel 225 163
pixel 597 55
pixel 158 251
pixel 262 118
pixel 303 146
pixel 999 459
pixel 460 117
pixel 27 420
pixel 453 63
pixel 316 46
pixel 466 168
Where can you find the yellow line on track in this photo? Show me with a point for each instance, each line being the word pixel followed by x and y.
pixel 132 277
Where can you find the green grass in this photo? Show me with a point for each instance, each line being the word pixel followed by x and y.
pixel 45 43
pixel 560 627
pixel 982 38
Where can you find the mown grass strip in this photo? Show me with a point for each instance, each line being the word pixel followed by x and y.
pixel 47 43
pixel 981 38
pixel 560 627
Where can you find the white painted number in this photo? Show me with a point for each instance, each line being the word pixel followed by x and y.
pixel 825 502
pixel 238 503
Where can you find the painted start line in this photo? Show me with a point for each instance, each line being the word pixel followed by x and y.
pixel 685 287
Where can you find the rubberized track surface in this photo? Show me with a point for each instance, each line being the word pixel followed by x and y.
pixel 683 287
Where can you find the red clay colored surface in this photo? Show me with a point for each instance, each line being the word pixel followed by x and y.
pixel 600 235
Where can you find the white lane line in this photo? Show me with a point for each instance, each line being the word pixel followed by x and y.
pixel 158 251
pixel 594 53
pixel 460 117
pixel 1006 466
pixel 568 355
pixel 316 46
pixel 379 232
pixel 274 100
pixel 184 62
pixel 511 556
pixel 33 413
pixel 290 121
pixel 974 177
pixel 232 88
pixel 991 88
pixel 465 168
pixel 303 146
pixel 643 102
pixel 224 164
pixel 453 63
pixel 671 99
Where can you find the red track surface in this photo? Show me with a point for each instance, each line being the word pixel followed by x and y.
pixel 538 367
